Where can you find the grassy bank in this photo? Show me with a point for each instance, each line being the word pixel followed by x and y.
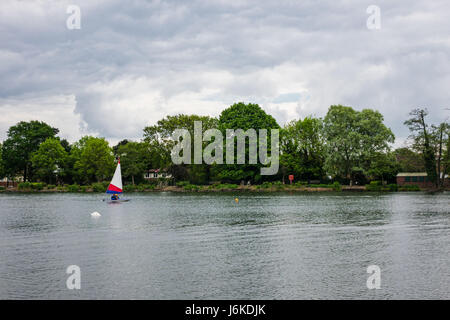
pixel 185 186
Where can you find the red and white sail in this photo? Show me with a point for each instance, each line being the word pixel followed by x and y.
pixel 116 183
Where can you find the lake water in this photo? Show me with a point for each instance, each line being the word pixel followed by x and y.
pixel 206 246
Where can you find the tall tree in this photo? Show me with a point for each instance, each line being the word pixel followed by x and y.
pixel 408 160
pixel 384 167
pixel 117 146
pixel 446 158
pixel 354 139
pixel 421 138
pixel 244 116
pixel 93 160
pixel 133 159
pixel 2 168
pixel 159 138
pixel 48 160
pixel 439 136
pixel 23 139
pixel 302 149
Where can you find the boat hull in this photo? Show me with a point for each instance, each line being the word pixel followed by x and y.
pixel 117 201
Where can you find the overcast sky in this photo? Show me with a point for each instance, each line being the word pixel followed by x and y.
pixel 134 62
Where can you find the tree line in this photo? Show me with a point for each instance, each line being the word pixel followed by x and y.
pixel 348 146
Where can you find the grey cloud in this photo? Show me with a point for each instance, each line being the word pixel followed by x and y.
pixel 160 57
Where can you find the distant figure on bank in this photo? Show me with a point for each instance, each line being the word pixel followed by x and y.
pixel 114 197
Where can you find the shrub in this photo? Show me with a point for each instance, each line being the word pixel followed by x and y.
pixel 182 183
pixel 278 185
pixel 2 188
pixel 24 186
pixel 51 186
pixel 337 186
pixel 129 188
pixel 100 187
pixel 374 186
pixel 377 186
pixel 73 188
pixel 266 185
pixel 31 186
pixel 392 187
pixel 142 187
pixel 191 187
pixel 224 186
pixel 409 188
pixel 37 186
pixel 84 188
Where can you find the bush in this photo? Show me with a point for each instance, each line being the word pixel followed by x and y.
pixel 409 188
pixel 100 186
pixel 73 188
pixel 191 187
pixel 2 188
pixel 392 187
pixel 51 186
pixel 224 186
pixel 266 185
pixel 374 186
pixel 142 187
pixel 84 188
pixel 129 188
pixel 337 186
pixel 31 186
pixel 377 186
pixel 37 186
pixel 24 186
pixel 182 183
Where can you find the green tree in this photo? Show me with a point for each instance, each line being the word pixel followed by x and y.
pixel 302 149
pixel 439 136
pixel 133 158
pixel 408 160
pixel 93 160
pixel 23 139
pixel 2 168
pixel 117 146
pixel 384 167
pixel 160 142
pixel 243 116
pixel 420 133
pixel 446 158
pixel 49 159
pixel 354 139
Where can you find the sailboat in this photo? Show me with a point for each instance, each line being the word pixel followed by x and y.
pixel 115 187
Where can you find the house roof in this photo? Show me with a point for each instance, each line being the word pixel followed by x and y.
pixel 412 174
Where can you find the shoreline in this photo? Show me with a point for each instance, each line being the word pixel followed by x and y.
pixel 208 189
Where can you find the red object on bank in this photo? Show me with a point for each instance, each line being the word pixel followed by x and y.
pixel 291 178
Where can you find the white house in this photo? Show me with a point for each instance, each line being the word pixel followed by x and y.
pixel 156 174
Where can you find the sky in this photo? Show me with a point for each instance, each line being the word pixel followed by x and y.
pixel 134 62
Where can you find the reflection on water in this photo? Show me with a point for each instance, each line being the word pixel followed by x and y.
pixel 206 246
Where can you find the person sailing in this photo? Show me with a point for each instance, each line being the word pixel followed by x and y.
pixel 115 197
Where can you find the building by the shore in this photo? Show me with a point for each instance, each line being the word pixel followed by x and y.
pixel 417 178
pixel 157 174
pixel 8 183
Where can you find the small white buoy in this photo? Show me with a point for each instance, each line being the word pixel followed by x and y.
pixel 95 214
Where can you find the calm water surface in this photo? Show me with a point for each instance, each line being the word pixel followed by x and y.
pixel 205 246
